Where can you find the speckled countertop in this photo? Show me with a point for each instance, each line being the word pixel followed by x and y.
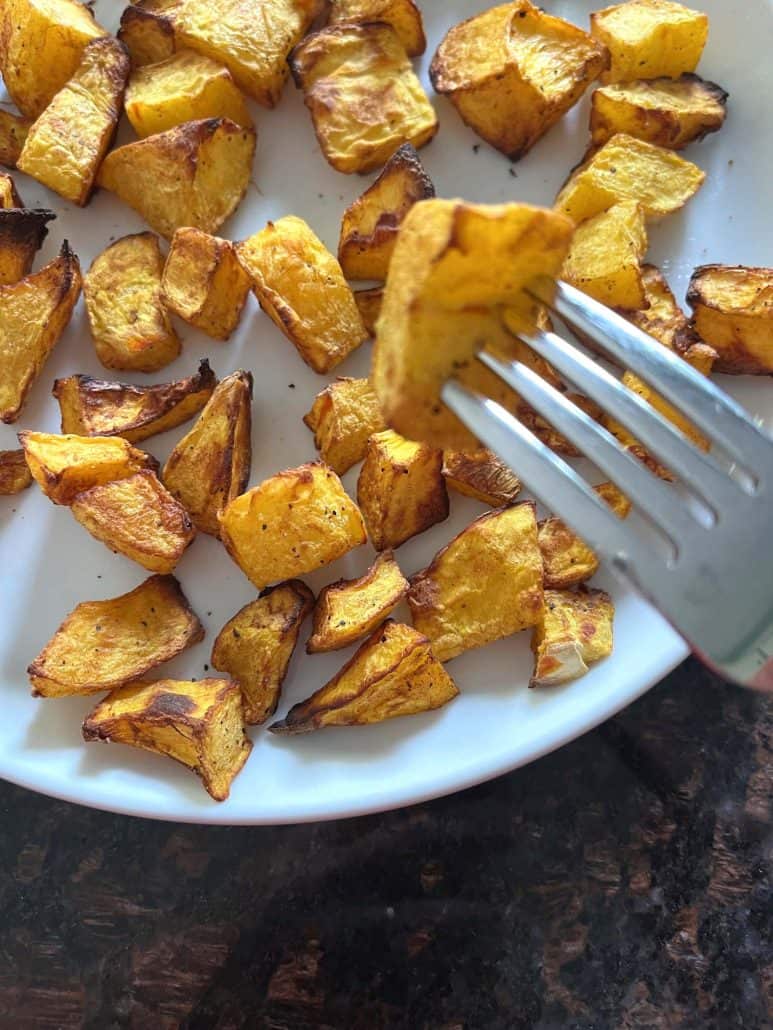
pixel 623 882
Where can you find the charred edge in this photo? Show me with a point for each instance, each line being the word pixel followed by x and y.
pixel 170 706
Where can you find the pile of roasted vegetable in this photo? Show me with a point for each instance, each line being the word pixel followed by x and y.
pixel 449 282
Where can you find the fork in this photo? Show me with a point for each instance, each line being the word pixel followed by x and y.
pixel 714 580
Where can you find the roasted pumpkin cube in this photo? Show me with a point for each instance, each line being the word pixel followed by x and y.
pixel 648 39
pixel 13 132
pixel 256 645
pixel 41 44
pixel 292 523
pixel 455 267
pixel 22 231
pixel 9 195
pixel 574 632
pixel 661 316
pixel 64 466
pixel 403 15
pixel 130 326
pixel 379 102
pixel 342 418
pixel 485 584
pixel 184 87
pixel 195 174
pixel 733 312
pixel 204 282
pixel 15 474
pixel 211 464
pixel 482 475
pixel 149 37
pixel 371 223
pixel 668 112
pixel 33 315
pixel 353 608
pixel 629 169
pixel 66 145
pixel 196 722
pixel 393 673
pixel 513 71
pixel 103 644
pixel 94 407
pixel 302 289
pixel 369 306
pixel 605 255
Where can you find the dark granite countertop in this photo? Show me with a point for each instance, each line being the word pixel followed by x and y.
pixel 623 882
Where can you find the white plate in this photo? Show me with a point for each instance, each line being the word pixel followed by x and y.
pixel 49 563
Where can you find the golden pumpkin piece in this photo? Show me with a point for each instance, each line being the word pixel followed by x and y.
pixel 369 306
pixel 9 195
pixel 41 45
pixel 343 416
pixel 482 475
pixel 371 223
pixel 455 266
pixel 13 132
pixel 66 145
pixel 353 608
pixel 183 88
pixel 393 673
pixel 22 231
pixel 661 316
pixel 648 39
pixel 567 560
pixel 137 517
pixel 196 722
pixel 733 312
pixel 379 102
pixel 485 584
pixel 103 644
pixel 34 313
pixel 15 475
pixel 668 112
pixel 210 466
pixel 64 466
pixel 204 283
pixel 252 38
pixel 94 407
pixel 574 632
pixel 195 174
pixel 256 645
pixel 400 490
pixel 626 168
pixel 129 324
pixel 302 289
pixel 403 15
pixel 293 523
pixel 605 256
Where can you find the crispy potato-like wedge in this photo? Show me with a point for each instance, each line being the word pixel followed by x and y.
pixel 33 315
pixel 668 112
pixel 369 306
pixel 733 312
pixel 363 94
pixel 371 223
pixel 567 560
pixel 15 474
pixel 293 523
pixel 485 584
pixel 22 231
pixel 210 466
pixel 575 630
pixel 95 407
pixel 455 267
pixel 9 195
pixel 513 71
pixel 204 282
pixel 393 673
pixel 196 722
pixel 13 132
pixel 103 644
pixel 256 645
pixel 64 466
pixel 148 37
pixel 41 44
pixel 130 326
pixel 648 39
pixel 661 316
pixel 353 608
pixel 403 15
pixel 182 88
pixel 342 418
pixel 65 146
pixel 605 255
pixel 400 489
pixel 302 289
pixel 482 475
pixel 195 174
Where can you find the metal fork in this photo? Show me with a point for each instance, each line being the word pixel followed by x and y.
pixel 716 585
